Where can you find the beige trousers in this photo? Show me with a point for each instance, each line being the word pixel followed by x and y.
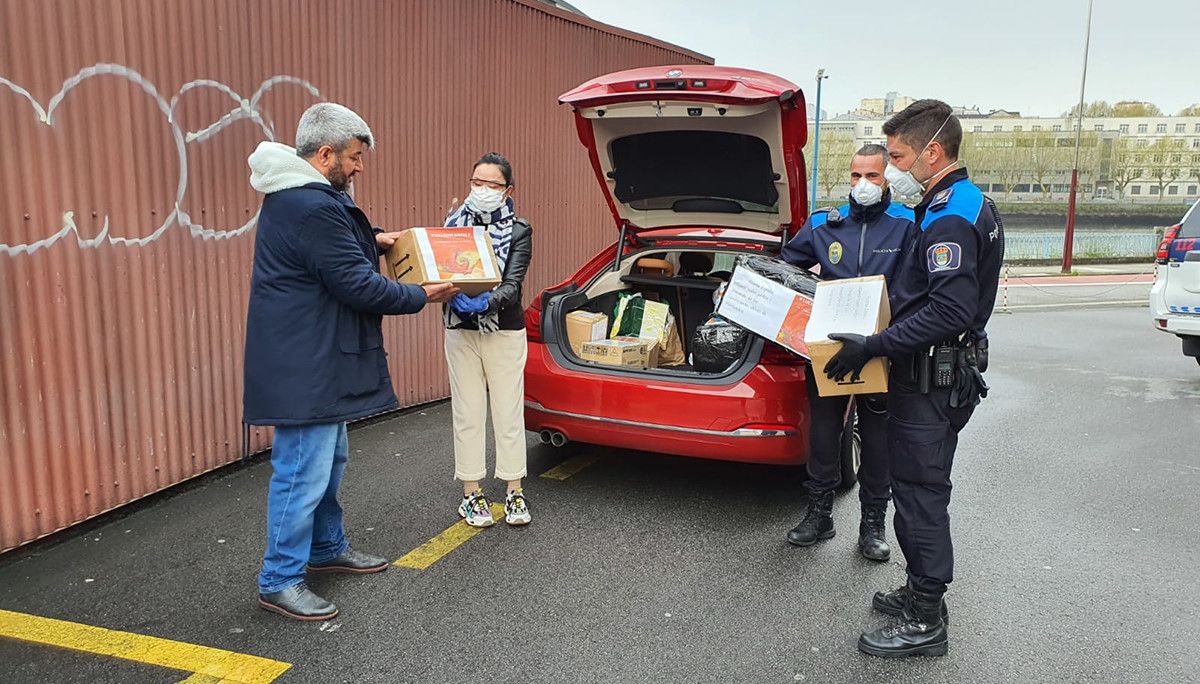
pixel 487 369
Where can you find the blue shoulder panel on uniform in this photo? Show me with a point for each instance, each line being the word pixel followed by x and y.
pixel 818 218
pixel 899 210
pixel 963 199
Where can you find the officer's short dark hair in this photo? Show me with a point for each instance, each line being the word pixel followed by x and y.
pixel 871 150
pixel 916 124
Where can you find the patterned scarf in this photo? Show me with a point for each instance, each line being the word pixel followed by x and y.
pixel 499 226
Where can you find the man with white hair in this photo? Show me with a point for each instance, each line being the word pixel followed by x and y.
pixel 314 346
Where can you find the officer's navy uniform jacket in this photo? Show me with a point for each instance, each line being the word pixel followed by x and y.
pixel 946 284
pixel 853 240
pixel 847 242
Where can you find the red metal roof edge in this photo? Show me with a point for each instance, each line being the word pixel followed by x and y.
pixel 612 30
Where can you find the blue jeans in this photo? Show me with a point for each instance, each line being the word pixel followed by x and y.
pixel 304 518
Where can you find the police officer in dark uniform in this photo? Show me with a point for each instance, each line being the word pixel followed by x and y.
pixel 862 238
pixel 941 300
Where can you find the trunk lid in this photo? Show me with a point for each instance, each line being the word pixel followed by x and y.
pixel 696 145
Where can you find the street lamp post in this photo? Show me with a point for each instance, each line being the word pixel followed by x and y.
pixel 1069 237
pixel 816 140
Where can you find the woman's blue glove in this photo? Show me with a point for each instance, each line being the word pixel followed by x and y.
pixel 471 305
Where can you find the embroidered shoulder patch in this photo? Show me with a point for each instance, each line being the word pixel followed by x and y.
pixel 941 199
pixel 944 256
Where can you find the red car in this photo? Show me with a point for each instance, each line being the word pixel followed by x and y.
pixel 699 164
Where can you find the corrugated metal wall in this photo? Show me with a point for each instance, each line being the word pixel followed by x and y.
pixel 126 218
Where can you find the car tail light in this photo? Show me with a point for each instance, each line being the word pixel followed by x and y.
pixel 1164 247
pixel 775 355
pixel 533 322
pixel 1162 323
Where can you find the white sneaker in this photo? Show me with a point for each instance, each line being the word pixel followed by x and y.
pixel 516 508
pixel 476 510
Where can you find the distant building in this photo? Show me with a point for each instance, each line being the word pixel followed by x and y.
pixel 886 105
pixel 1023 157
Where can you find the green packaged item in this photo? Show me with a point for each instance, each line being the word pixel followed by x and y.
pixel 637 317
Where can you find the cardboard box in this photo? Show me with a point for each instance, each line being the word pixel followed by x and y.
pixel 625 353
pixel 650 352
pixel 585 326
pixel 793 321
pixel 853 305
pixel 463 256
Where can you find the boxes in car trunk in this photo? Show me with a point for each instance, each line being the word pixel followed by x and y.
pixel 585 326
pixel 626 352
pixel 462 256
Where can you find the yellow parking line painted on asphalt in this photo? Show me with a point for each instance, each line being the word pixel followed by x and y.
pixel 202 679
pixel 435 549
pixel 218 665
pixel 570 466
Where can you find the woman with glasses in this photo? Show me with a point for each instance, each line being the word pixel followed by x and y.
pixel 486 349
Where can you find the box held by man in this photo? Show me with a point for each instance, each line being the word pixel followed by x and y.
pixel 459 255
pixel 851 305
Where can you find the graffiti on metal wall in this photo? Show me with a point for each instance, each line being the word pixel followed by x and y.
pixel 243 109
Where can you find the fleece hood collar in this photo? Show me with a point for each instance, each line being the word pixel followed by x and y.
pixel 275 166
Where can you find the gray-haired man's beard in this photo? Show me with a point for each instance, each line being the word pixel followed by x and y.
pixel 339 180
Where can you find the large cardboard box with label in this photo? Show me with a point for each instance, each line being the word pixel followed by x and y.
pixel 853 305
pixel 462 256
pixel 626 353
pixel 802 325
pixel 585 326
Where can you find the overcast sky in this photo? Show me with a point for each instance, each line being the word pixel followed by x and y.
pixel 1022 55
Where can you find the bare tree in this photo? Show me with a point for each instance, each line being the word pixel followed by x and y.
pixel 1165 165
pixel 1123 165
pixel 1046 159
pixel 833 163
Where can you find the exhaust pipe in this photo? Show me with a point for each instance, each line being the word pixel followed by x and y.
pixel 558 439
pixel 546 436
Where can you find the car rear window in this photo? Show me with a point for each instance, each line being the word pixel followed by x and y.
pixel 1190 226
pixel 695 171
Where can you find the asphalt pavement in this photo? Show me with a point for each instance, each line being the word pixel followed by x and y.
pixel 1074 514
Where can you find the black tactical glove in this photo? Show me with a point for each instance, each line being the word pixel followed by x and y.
pixel 850 359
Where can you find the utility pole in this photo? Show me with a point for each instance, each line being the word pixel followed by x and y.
pixel 816 144
pixel 1069 238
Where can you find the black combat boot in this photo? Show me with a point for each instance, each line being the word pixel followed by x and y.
pixel 893 602
pixel 921 630
pixel 870 533
pixel 818 521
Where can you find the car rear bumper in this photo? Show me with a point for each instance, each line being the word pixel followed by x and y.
pixel 759 419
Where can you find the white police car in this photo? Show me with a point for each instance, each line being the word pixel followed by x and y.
pixel 1175 297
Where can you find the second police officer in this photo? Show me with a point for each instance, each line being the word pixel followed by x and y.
pixel 862 238
pixel 941 300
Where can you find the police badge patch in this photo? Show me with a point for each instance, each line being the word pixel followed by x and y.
pixel 835 253
pixel 944 256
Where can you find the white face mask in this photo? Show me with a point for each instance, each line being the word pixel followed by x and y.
pixel 866 193
pixel 903 182
pixel 484 200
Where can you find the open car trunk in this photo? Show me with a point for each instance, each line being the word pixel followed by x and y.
pixel 690 297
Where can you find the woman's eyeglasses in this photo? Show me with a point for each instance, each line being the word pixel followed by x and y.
pixel 479 183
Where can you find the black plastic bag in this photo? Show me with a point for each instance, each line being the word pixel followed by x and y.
pixel 717 345
pixel 798 279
